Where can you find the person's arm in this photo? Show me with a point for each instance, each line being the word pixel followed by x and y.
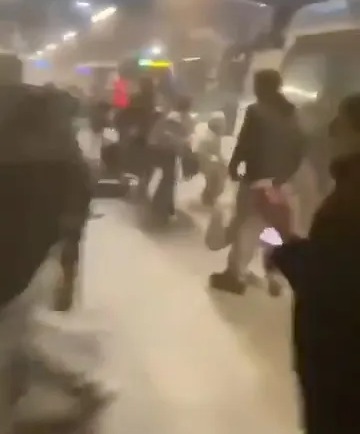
pixel 78 189
pixel 242 143
pixel 297 151
pixel 291 259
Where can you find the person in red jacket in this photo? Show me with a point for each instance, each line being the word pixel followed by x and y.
pixel 121 94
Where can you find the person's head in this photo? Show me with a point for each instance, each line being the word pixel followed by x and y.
pixel 345 128
pixel 267 84
pixel 183 104
pixel 217 123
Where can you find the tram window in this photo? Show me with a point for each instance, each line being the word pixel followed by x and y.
pixel 344 73
pixel 304 76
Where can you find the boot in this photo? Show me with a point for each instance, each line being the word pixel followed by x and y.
pixel 227 282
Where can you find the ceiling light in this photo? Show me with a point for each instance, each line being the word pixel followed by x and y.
pixel 80 4
pixel 69 35
pixel 51 47
pixel 191 59
pixel 104 14
pixel 156 50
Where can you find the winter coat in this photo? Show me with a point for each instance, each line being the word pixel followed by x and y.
pixel 137 119
pixel 324 273
pixel 173 133
pixel 99 116
pixel 44 183
pixel 209 147
pixel 270 142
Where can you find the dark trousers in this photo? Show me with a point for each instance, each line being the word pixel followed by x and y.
pixel 66 293
pixel 164 197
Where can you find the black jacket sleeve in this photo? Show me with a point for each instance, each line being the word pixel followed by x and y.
pixel 243 142
pixel 295 151
pixel 291 260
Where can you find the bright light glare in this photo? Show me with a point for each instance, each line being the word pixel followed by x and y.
pixel 69 35
pixel 191 59
pixel 271 236
pixel 39 53
pixel 51 47
pixel 84 5
pixel 156 50
pixel 155 63
pixel 145 62
pixel 104 14
pixel 300 92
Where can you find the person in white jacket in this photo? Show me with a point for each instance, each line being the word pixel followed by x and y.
pixel 211 161
pixel 171 139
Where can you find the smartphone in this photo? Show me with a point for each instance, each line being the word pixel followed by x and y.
pixel 271 237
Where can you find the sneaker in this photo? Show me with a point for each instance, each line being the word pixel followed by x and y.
pixel 227 282
pixel 216 237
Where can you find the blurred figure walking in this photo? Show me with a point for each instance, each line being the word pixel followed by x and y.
pixel 44 192
pixel 323 271
pixel 136 122
pixel 99 119
pixel 211 161
pixel 170 140
pixel 271 146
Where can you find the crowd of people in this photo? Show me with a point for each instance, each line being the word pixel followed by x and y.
pixel 318 259
pixel 46 188
pixel 152 137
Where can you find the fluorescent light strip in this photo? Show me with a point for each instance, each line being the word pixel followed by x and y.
pixel 69 36
pixel 51 47
pixel 81 4
pixel 104 14
pixel 191 59
pixel 300 92
pixel 101 16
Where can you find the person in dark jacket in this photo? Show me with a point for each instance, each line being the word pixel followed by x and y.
pixel 44 192
pixel 171 139
pixel 135 124
pixel 323 271
pixel 270 146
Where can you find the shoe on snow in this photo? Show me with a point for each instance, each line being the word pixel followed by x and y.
pixel 228 283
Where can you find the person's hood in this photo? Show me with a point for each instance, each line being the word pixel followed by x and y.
pixel 346 169
pixel 35 125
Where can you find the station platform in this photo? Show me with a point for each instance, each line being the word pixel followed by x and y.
pixel 187 359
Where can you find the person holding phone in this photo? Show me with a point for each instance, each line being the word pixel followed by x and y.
pixel 323 271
